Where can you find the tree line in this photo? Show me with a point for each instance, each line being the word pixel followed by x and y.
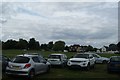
pixel 32 44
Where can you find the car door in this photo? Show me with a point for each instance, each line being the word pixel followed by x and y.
pixel 43 63
pixel 38 65
pixel 97 58
pixel 91 59
pixel 4 62
pixel 65 59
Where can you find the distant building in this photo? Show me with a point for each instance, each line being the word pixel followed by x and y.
pixel 74 48
pixel 103 49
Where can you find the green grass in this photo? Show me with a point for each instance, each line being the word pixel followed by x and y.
pixel 13 53
pixel 100 70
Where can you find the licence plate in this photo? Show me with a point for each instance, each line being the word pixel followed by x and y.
pixel 16 67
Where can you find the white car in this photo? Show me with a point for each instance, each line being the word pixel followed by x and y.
pixel 99 59
pixel 81 60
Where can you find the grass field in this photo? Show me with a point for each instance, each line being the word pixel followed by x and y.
pixel 100 70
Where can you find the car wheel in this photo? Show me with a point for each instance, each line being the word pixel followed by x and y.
pixel 88 67
pixel 63 65
pixel 93 66
pixel 104 62
pixel 48 69
pixel 31 74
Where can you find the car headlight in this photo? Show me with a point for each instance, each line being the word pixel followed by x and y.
pixel 68 62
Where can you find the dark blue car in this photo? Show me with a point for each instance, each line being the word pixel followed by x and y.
pixel 114 64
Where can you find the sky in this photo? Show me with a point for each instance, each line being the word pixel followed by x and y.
pixel 84 23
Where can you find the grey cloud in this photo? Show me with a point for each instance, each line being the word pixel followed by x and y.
pixel 84 23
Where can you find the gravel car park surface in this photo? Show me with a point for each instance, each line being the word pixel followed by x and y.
pixel 100 70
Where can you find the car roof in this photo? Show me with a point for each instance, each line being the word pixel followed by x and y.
pixel 114 56
pixel 84 53
pixel 56 54
pixel 29 54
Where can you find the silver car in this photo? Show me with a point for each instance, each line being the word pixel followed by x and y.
pixel 99 59
pixel 28 65
pixel 58 59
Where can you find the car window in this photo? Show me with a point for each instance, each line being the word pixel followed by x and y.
pixel 115 59
pixel 81 56
pixel 55 56
pixel 65 56
pixel 94 55
pixel 36 59
pixel 42 59
pixel 21 59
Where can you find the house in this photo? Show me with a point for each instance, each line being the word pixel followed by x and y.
pixel 74 48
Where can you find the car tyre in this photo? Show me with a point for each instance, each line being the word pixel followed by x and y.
pixel 31 74
pixel 48 69
pixel 88 67
pixel 63 65
pixel 93 66
pixel 104 62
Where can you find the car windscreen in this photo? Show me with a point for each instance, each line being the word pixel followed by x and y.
pixel 115 59
pixel 81 56
pixel 54 56
pixel 21 59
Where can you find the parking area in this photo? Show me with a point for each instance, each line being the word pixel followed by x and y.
pixel 57 72
pixel 100 71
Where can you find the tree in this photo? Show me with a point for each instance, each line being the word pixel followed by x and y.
pixel 59 46
pixel 22 44
pixel 66 48
pixel 37 45
pixel 33 44
pixel 9 44
pixel 112 47
pixel 50 45
pixel 44 47
pixel 118 46
pixel 89 48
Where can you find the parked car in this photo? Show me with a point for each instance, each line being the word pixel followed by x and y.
pixel 28 65
pixel 81 60
pixel 114 64
pixel 57 59
pixel 99 59
pixel 4 62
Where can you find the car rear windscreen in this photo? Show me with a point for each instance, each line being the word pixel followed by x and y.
pixel 21 59
pixel 115 59
pixel 54 56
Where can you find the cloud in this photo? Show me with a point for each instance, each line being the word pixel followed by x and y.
pixel 84 23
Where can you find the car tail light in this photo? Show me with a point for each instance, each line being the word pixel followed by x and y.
pixel 27 65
